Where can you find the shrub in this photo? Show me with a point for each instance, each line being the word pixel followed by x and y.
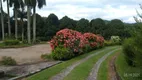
pixel 91 39
pixel 46 56
pixel 74 42
pixel 69 38
pixel 11 42
pixel 61 53
pixel 8 61
pixel 100 41
pixel 129 52
pixel 108 43
pixel 116 40
pixel 87 48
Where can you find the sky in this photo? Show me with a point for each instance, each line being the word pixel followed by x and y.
pixel 90 9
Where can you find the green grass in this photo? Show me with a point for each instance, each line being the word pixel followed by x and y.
pixel 103 71
pixel 82 71
pixel 125 71
pixel 2 45
pixel 48 73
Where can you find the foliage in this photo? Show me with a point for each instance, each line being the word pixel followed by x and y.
pixel 133 47
pixel 46 56
pixel 116 39
pixel 97 26
pixel 108 43
pixel 11 42
pixel 75 41
pixel 115 27
pixel 125 71
pixel 128 48
pixel 47 28
pixel 61 53
pixel 93 40
pixel 8 61
pixel 82 25
pixel 68 38
pixel 67 22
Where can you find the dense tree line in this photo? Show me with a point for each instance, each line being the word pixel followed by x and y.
pixel 44 28
pixel 48 26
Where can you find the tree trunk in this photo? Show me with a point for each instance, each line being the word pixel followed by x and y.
pixel 29 24
pixel 34 25
pixel 2 21
pixel 16 30
pixel 9 27
pixel 22 29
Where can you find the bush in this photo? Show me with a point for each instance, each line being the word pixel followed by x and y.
pixel 87 48
pixel 61 53
pixel 11 42
pixel 68 38
pixel 46 56
pixel 74 42
pixel 116 40
pixel 108 43
pixel 129 52
pixel 8 61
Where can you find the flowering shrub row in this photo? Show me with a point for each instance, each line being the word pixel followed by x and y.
pixel 76 41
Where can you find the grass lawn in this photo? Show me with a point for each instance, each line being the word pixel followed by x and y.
pixel 82 71
pixel 103 71
pixel 2 45
pixel 48 73
pixel 127 72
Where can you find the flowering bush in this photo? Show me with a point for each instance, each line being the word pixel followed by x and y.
pixel 91 39
pixel 75 41
pixel 100 41
pixel 69 38
pixel 116 39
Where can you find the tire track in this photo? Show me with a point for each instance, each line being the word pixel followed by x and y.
pixel 66 71
pixel 94 71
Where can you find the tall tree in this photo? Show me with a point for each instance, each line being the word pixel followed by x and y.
pixel 82 25
pixel 29 5
pixel 22 15
pixel 2 20
pixel 97 26
pixel 115 27
pixel 9 26
pixel 16 4
pixel 40 5
pixel 51 26
pixel 67 22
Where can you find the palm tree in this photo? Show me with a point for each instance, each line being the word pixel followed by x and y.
pixel 16 4
pixel 2 21
pixel 22 15
pixel 9 27
pixel 28 3
pixel 40 5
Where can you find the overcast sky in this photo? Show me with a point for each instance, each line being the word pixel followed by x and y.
pixel 91 9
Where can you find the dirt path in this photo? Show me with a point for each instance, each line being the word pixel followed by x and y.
pixel 112 74
pixel 66 71
pixel 28 54
pixel 93 73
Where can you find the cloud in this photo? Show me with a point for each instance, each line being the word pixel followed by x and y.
pixel 90 9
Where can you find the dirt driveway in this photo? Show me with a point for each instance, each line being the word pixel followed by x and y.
pixel 28 54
